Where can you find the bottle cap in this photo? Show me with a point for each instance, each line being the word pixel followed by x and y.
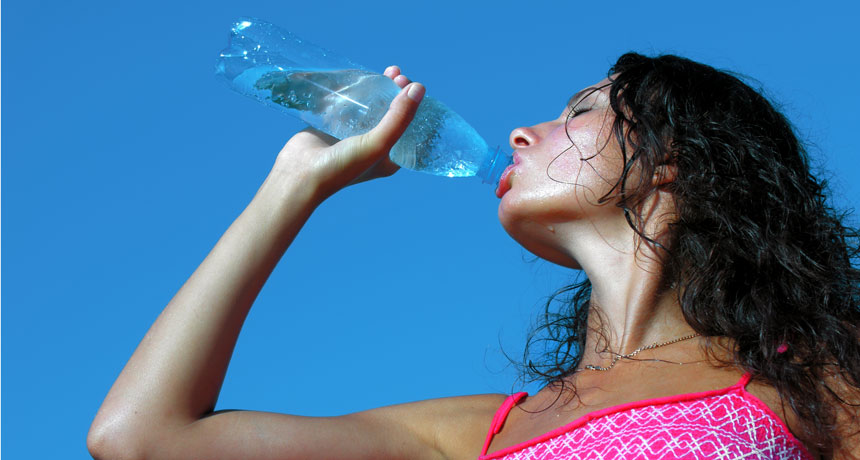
pixel 492 170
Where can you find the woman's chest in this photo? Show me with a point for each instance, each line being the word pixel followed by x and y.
pixel 555 406
pixel 721 424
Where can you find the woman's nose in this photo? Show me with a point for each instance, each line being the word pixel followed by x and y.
pixel 523 137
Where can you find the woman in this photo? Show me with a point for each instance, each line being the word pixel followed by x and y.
pixel 718 319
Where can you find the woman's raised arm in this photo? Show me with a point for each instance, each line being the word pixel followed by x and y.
pixel 161 405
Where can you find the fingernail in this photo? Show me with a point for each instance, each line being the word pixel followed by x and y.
pixel 388 71
pixel 415 92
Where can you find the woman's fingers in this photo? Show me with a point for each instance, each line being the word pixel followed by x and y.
pixel 336 164
pixel 401 81
pixel 393 72
pixel 399 115
pixel 360 158
pixel 380 139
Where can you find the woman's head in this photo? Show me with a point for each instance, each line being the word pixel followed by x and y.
pixel 563 170
pixel 663 124
pixel 754 250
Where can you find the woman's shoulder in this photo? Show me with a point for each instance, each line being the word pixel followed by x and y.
pixel 464 406
pixel 455 427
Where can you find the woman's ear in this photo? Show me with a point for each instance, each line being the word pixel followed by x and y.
pixel 664 174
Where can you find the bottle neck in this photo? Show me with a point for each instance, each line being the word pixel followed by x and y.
pixel 491 171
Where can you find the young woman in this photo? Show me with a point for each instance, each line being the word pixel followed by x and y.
pixel 719 318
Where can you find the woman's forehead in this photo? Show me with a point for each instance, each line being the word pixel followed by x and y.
pixel 602 86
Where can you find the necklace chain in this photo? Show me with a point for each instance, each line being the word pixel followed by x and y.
pixel 619 357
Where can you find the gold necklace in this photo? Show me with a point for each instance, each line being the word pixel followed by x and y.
pixel 635 352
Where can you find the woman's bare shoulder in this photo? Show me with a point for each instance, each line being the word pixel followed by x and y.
pixel 454 427
pixel 439 410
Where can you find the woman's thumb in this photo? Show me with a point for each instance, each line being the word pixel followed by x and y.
pixel 396 120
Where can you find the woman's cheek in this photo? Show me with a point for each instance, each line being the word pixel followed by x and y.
pixel 565 169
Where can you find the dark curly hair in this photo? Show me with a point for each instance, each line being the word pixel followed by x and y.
pixel 757 254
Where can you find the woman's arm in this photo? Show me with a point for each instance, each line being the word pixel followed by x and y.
pixel 161 404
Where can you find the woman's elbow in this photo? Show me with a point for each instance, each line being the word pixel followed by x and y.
pixel 107 440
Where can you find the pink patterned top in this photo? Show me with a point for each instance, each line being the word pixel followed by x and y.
pixel 722 424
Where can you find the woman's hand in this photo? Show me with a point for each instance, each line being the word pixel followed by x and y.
pixel 331 164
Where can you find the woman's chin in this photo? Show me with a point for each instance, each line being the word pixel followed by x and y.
pixel 538 238
pixel 561 259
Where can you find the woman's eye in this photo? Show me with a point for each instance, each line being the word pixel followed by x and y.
pixel 577 111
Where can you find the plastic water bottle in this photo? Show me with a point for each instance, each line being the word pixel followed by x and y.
pixel 342 99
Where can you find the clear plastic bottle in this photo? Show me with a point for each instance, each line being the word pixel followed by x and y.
pixel 343 99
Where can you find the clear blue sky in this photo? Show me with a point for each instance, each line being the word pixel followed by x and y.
pixel 124 159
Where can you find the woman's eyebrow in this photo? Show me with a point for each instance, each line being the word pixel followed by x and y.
pixel 576 97
pixel 582 94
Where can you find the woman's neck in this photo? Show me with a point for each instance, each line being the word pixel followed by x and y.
pixel 630 305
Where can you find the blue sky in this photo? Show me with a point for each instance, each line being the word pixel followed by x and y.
pixel 124 159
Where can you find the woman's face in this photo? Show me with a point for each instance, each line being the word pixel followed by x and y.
pixel 561 169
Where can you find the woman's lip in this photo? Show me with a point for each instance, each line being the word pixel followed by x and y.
pixel 504 180
pixel 504 184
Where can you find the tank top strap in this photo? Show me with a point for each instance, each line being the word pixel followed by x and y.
pixel 745 379
pixel 500 417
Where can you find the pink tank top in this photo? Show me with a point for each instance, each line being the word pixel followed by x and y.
pixel 722 424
